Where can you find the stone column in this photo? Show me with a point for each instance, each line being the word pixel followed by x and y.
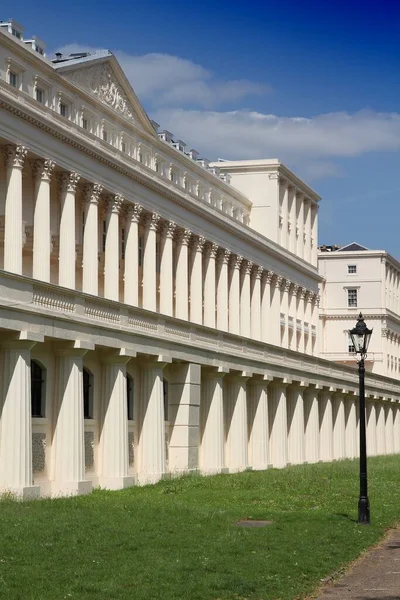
pixel 114 426
pixel 68 447
pixel 326 426
pixel 314 235
pixel 245 305
pixel 275 334
pixel 300 225
pixel 90 280
pixel 166 269
pixel 131 270
pixel 257 392
pixel 396 429
pixel 149 262
pixel 196 280
pixel 111 256
pixel 13 234
pixel 234 295
pixel 182 272
pixel 266 311
pixel 307 317
pixel 307 230
pixel 212 442
pixel 284 309
pixel 222 290
pixel 16 430
pixel 209 284
pixel 184 417
pixel 255 311
pixel 277 418
pixel 42 171
pixel 339 448
pixel 389 429
pixel 283 217
pixel 292 220
pixel 380 429
pixel 67 243
pixel 236 445
pixel 371 428
pixel 151 423
pixel 311 430
pixel 295 410
pixel 351 426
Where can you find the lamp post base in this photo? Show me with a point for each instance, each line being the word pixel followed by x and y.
pixel 363 511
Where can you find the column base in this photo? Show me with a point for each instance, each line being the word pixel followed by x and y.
pixel 237 469
pixel 216 471
pixel 116 483
pixel 150 478
pixel 23 493
pixel 71 488
pixel 258 467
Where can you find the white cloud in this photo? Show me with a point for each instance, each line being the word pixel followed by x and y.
pixel 182 96
pixel 166 80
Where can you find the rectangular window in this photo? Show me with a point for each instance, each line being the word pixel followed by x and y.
pixel 85 124
pixel 13 79
pixel 63 109
pixel 40 95
pixel 350 345
pixel 123 147
pixel 352 298
pixel 140 251
pixel 105 135
pixel 351 269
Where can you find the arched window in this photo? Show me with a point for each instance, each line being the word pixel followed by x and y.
pixel 87 394
pixel 130 397
pixel 165 393
pixel 37 390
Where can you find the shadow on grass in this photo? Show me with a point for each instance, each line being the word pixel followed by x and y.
pixel 346 516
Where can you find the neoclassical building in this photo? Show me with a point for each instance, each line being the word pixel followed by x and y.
pixel 356 278
pixel 158 313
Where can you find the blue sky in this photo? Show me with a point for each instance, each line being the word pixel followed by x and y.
pixel 316 84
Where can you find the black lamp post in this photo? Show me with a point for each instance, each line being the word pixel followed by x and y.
pixel 360 337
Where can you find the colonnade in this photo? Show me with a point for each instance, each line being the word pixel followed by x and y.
pixel 297 222
pixel 219 420
pixel 142 259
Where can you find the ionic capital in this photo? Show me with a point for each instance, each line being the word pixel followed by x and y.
pixel 91 192
pixel 68 181
pixel 43 169
pixel 15 156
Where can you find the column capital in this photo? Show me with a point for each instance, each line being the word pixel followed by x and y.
pixel 133 212
pixel 114 204
pixel 43 169
pixel 303 293
pixel 258 272
pixel 286 285
pixel 248 267
pixel 237 261
pixel 92 192
pixel 168 229
pixel 268 276
pixel 277 281
pixel 15 156
pixel 223 256
pixel 182 236
pixel 68 181
pixel 295 289
pixel 151 221
pixel 197 243
pixel 211 249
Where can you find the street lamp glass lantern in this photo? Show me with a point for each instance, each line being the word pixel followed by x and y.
pixel 360 336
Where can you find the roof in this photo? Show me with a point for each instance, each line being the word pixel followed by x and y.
pixel 353 247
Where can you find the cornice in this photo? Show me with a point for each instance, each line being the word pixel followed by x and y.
pixel 209 212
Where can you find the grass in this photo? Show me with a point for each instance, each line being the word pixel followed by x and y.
pixel 178 539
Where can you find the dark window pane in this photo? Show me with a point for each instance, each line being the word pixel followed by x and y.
pixel 86 394
pixel 36 389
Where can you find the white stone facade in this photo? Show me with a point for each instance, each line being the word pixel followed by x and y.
pixel 357 279
pixel 151 323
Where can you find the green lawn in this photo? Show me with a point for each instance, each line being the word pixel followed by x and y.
pixel 178 539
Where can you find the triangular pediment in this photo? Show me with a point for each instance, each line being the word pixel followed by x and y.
pixel 105 80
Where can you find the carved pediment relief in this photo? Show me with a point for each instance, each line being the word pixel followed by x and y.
pixel 100 81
